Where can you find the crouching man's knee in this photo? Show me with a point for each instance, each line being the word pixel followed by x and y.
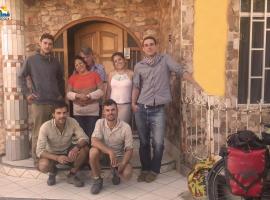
pixel 44 165
pixel 127 173
pixel 94 154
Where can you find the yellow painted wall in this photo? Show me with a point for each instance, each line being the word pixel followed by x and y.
pixel 210 41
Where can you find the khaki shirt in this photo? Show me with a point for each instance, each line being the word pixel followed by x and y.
pixel 119 139
pixel 50 139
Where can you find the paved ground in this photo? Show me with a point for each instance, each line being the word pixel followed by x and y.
pixel 169 186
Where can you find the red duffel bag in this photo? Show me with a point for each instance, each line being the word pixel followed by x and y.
pixel 245 171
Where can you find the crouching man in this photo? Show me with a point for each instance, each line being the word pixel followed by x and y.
pixel 62 140
pixel 111 140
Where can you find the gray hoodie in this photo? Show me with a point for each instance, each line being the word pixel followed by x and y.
pixel 46 75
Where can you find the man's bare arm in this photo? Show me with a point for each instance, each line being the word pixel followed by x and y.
pixel 135 95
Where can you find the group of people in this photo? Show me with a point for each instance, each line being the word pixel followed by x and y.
pixel 100 128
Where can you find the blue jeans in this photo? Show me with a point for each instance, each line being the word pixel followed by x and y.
pixel 87 123
pixel 151 120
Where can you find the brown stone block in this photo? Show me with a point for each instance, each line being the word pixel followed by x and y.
pixel 231 83
pixel 151 21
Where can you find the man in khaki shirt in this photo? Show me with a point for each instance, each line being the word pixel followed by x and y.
pixel 56 144
pixel 113 138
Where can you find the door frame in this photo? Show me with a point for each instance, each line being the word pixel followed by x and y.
pixel 99 19
pixel 65 28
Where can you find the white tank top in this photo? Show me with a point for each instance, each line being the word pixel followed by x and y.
pixel 121 88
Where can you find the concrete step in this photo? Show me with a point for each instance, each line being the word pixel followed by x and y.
pixel 25 168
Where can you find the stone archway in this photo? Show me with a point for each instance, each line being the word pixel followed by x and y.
pixel 65 47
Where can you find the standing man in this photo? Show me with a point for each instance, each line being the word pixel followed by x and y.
pixel 47 84
pixel 87 54
pixel 62 140
pixel 113 140
pixel 151 91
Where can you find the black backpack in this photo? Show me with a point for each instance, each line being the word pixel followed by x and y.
pixel 245 140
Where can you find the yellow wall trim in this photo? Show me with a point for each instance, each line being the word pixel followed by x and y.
pixel 210 43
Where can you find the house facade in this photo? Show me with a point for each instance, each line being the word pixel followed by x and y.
pixel 224 43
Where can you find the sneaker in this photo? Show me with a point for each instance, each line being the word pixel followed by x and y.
pixel 115 179
pixel 151 177
pixel 97 186
pixel 142 176
pixel 51 180
pixel 73 179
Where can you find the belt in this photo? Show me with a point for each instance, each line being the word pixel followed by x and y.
pixel 155 106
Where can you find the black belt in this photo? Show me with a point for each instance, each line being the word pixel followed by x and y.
pixel 155 106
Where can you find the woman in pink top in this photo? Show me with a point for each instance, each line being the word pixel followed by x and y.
pixel 84 90
pixel 120 86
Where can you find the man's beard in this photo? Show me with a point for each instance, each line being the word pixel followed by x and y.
pixel 111 118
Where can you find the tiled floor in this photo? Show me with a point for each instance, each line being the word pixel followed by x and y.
pixel 169 185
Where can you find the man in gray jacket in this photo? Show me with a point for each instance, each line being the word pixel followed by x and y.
pixel 47 84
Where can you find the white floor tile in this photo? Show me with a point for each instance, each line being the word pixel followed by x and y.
pixel 22 193
pixel 4 181
pixel 173 173
pixel 150 196
pixel 41 188
pixel 59 193
pixel 76 190
pixel 131 192
pixel 164 179
pixel 9 188
pixel 113 196
pixel 180 183
pixel 148 186
pixel 28 182
pixel 167 192
pixel 167 186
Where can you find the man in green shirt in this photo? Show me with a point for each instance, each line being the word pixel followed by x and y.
pixel 62 140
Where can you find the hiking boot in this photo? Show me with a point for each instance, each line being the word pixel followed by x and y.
pixel 115 179
pixel 151 177
pixel 51 180
pixel 73 179
pixel 97 186
pixel 142 176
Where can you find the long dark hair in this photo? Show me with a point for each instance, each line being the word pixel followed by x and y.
pixel 77 57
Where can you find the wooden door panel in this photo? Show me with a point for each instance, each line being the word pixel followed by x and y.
pixel 103 38
pixel 85 40
pixel 107 63
pixel 109 42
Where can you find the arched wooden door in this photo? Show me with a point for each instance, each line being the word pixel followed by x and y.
pixel 103 38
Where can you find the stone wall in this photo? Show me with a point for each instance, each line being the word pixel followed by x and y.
pixel 176 39
pixel 139 16
pixel 232 50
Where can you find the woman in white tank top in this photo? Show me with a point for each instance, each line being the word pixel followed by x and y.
pixel 120 86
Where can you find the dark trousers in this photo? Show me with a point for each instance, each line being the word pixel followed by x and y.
pixel 87 123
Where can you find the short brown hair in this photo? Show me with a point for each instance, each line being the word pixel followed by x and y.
pixel 109 102
pixel 59 104
pixel 120 54
pixel 151 38
pixel 46 36
pixel 86 51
